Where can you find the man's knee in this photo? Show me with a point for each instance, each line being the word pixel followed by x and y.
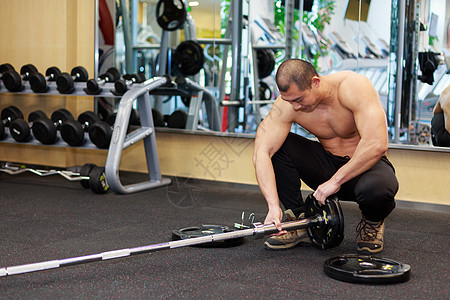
pixel 375 195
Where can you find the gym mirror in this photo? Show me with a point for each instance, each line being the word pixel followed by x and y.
pixel 238 45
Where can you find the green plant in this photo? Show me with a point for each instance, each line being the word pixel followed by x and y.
pixel 317 19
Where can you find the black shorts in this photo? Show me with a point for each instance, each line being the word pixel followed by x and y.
pixel 301 158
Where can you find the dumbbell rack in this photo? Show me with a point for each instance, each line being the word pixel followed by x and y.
pixel 52 91
pixel 120 139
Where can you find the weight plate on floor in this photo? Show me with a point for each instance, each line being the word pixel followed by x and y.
pixel 366 269
pixel 205 230
pixel 97 180
pixel 84 172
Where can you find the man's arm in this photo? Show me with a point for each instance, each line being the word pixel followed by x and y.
pixel 270 135
pixel 359 96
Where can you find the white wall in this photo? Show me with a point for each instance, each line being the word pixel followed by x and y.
pixel 377 26
pixel 439 8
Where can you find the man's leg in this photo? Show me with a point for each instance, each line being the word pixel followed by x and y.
pixel 374 192
pixel 300 158
pixel 297 158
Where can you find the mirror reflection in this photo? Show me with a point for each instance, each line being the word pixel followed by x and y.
pixel 223 55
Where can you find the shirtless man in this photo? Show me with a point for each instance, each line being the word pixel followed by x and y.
pixel 440 124
pixel 344 112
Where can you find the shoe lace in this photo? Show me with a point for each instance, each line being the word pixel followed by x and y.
pixel 367 231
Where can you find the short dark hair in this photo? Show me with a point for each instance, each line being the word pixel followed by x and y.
pixel 295 71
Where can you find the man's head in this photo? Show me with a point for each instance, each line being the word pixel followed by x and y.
pixel 295 71
pixel 295 80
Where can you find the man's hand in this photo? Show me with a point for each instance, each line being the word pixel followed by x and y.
pixel 274 216
pixel 326 189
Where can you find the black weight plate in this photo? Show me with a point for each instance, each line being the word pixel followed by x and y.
pixel 189 58
pixel 97 180
pixel 170 15
pixel 84 172
pixel 265 93
pixel 366 269
pixel 265 62
pixel 205 230
pixel 331 233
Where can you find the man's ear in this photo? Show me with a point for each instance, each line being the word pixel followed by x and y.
pixel 315 81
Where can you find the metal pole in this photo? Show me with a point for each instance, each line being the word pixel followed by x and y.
pixel 127 36
pixel 399 79
pixel 236 44
pixel 289 25
pixel 96 30
pixel 259 229
pixel 134 32
pixel 300 39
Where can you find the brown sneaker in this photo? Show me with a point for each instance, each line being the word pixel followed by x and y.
pixel 290 239
pixel 370 236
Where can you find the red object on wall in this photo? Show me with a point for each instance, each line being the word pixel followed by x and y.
pixel 105 23
pixel 225 115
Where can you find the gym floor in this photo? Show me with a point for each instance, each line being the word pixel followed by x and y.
pixel 48 218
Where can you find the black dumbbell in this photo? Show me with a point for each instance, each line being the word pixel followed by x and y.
pixel 8 115
pixel 4 68
pixel 45 130
pixel 20 129
pixel 158 118
pixel 72 132
pixel 93 85
pixel 122 85
pixel 134 119
pixel 65 81
pixel 38 82
pixel 100 134
pixel 177 119
pixel 13 81
pixel 97 179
